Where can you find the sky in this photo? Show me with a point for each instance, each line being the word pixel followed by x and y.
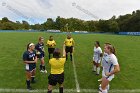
pixel 37 11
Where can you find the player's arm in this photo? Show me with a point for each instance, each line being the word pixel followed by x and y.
pixel 43 50
pixel 116 67
pixel 116 70
pixel 54 43
pixel 47 44
pixel 73 43
pixel 65 42
pixel 64 52
pixel 101 54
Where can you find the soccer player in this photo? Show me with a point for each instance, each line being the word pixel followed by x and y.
pixel 30 60
pixel 40 54
pixel 110 67
pixel 51 44
pixel 97 57
pixel 69 46
pixel 104 58
pixel 57 70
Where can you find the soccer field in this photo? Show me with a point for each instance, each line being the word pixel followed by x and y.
pixel 78 75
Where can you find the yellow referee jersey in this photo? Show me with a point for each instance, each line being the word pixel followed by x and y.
pixel 51 44
pixel 69 42
pixel 57 65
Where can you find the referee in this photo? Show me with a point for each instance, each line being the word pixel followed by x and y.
pixel 51 46
pixel 69 46
pixel 57 70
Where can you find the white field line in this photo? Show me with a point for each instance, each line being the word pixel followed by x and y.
pixel 67 91
pixel 75 76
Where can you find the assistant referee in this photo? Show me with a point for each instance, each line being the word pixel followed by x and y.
pixel 69 46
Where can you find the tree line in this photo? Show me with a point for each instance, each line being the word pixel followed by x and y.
pixel 125 23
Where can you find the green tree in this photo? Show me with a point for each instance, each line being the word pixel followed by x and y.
pixel 25 25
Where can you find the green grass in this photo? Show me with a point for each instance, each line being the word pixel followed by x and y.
pixel 13 44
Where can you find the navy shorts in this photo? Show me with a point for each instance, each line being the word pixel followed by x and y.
pixel 30 67
pixel 41 55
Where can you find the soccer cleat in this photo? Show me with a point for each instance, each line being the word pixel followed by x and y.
pixel 41 71
pixel 45 71
pixel 100 80
pixel 29 87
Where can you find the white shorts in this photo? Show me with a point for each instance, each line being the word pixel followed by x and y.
pixel 96 60
pixel 109 78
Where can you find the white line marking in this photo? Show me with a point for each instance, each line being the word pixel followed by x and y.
pixel 68 90
pixel 75 76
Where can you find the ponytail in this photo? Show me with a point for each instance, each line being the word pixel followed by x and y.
pixel 98 43
pixel 28 46
pixel 114 50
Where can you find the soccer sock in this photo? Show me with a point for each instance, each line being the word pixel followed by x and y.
pixel 98 70
pixel 94 67
pixel 40 67
pixel 108 86
pixel 71 57
pixel 49 91
pixel 49 56
pixel 43 67
pixel 28 83
pixel 61 90
pixel 66 56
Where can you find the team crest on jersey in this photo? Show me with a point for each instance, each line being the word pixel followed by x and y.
pixel 31 55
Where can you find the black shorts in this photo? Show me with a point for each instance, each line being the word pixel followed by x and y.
pixel 56 78
pixel 69 49
pixel 51 50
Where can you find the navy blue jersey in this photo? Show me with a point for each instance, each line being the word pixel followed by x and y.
pixel 28 56
pixel 39 47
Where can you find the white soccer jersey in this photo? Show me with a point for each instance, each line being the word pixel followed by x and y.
pixel 96 56
pixel 108 65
